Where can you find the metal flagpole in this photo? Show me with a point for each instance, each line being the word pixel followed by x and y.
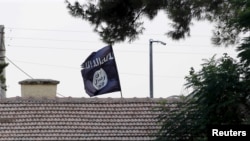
pixel 121 94
pixel 117 70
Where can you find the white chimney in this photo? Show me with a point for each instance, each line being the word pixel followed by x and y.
pixel 39 88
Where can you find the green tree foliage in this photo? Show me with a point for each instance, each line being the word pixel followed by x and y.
pixel 220 96
pixel 2 78
pixel 244 51
pixel 118 20
pixel 220 92
pixel 232 21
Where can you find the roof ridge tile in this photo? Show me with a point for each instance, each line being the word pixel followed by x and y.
pixel 70 100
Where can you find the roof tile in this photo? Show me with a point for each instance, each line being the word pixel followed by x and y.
pixel 78 119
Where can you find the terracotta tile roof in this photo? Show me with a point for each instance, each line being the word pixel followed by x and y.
pixel 29 119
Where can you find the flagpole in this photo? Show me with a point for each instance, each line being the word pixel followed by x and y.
pixel 121 94
pixel 117 70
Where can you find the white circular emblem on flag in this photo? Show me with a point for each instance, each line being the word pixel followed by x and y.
pixel 100 79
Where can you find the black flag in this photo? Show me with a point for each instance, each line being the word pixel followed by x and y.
pixel 100 73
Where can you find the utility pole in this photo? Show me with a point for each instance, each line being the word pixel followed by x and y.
pixel 2 63
pixel 151 65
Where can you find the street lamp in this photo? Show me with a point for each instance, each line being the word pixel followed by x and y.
pixel 151 64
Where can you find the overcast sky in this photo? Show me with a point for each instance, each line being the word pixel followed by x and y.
pixel 43 40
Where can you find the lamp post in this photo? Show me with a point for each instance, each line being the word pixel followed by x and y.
pixel 151 64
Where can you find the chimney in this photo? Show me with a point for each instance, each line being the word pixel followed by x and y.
pixel 39 88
